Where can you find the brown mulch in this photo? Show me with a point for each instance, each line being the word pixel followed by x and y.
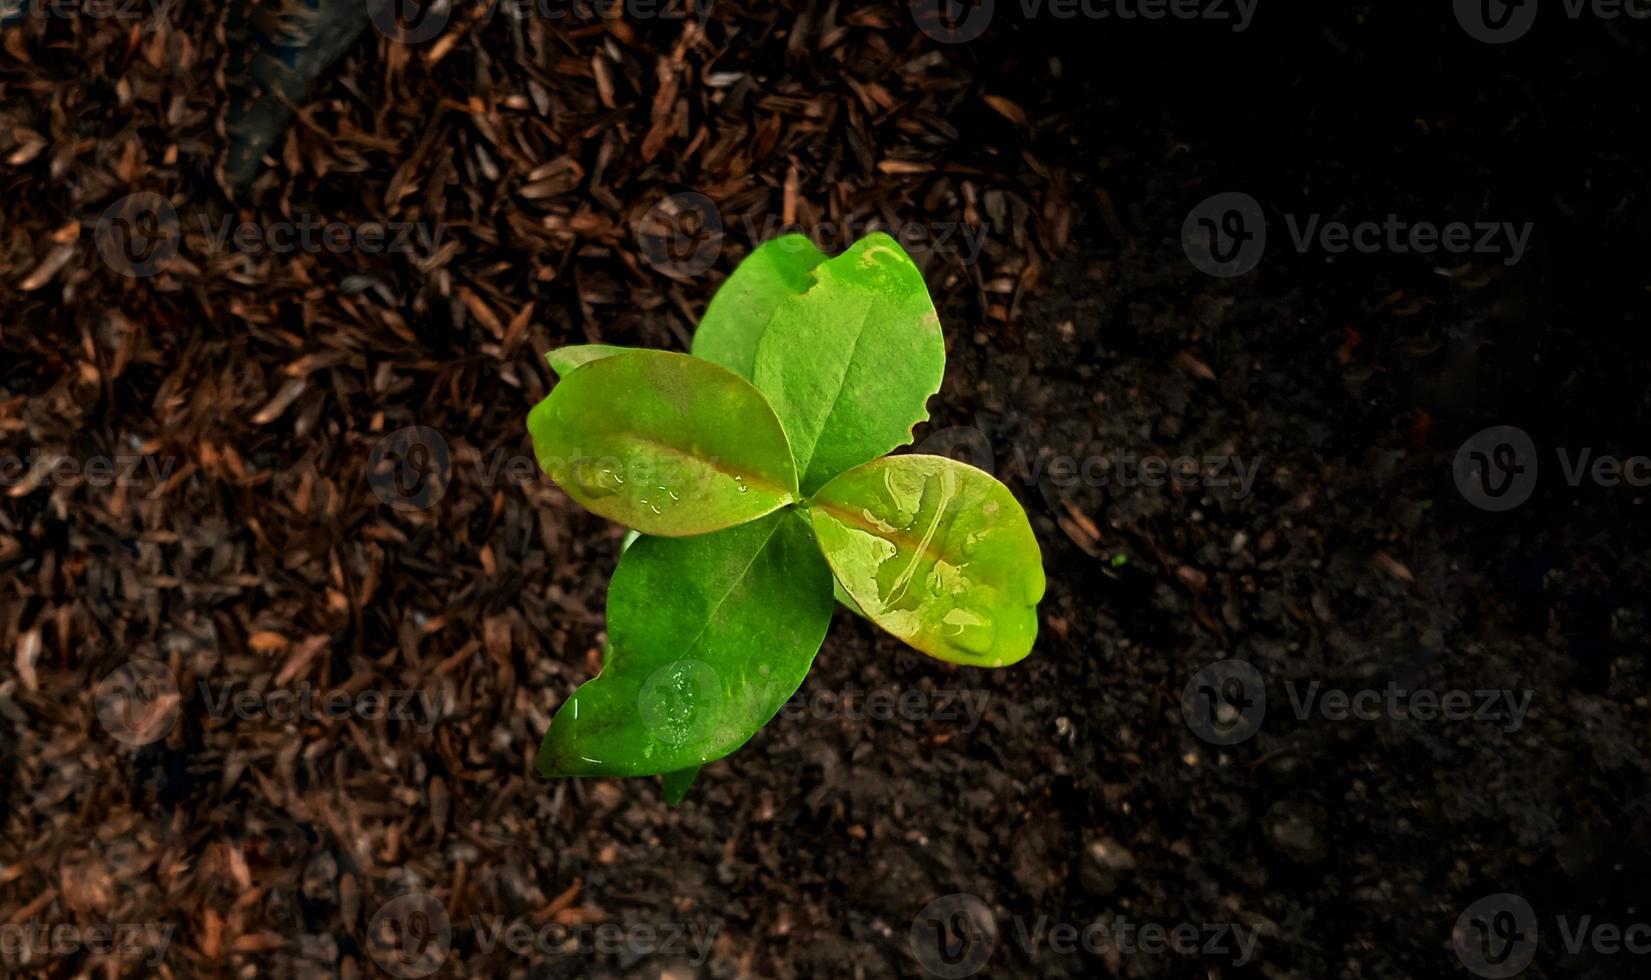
pixel 249 550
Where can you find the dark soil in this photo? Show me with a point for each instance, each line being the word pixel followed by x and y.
pixel 1344 383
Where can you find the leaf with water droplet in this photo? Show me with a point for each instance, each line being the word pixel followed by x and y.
pixel 616 429
pixel 739 312
pixel 849 365
pixel 936 552
pixel 691 624
pixel 564 359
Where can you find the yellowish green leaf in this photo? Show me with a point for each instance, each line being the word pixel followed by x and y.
pixel 936 552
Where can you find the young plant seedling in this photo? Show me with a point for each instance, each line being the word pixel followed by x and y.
pixel 755 471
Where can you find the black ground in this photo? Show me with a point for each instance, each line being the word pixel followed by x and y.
pixel 1345 383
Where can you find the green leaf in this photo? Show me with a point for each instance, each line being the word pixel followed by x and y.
pixel 708 637
pixel 937 553
pixel 739 312
pixel 677 784
pixel 565 359
pixel 665 443
pixel 849 365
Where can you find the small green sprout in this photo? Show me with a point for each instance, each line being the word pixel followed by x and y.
pixel 755 473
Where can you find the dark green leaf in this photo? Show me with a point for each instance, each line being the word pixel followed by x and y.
pixel 665 443
pixel 740 310
pixel 708 637
pixel 849 365
pixel 677 784
pixel 937 553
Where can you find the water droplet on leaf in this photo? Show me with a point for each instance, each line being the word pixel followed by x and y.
pixel 596 480
pixel 970 631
